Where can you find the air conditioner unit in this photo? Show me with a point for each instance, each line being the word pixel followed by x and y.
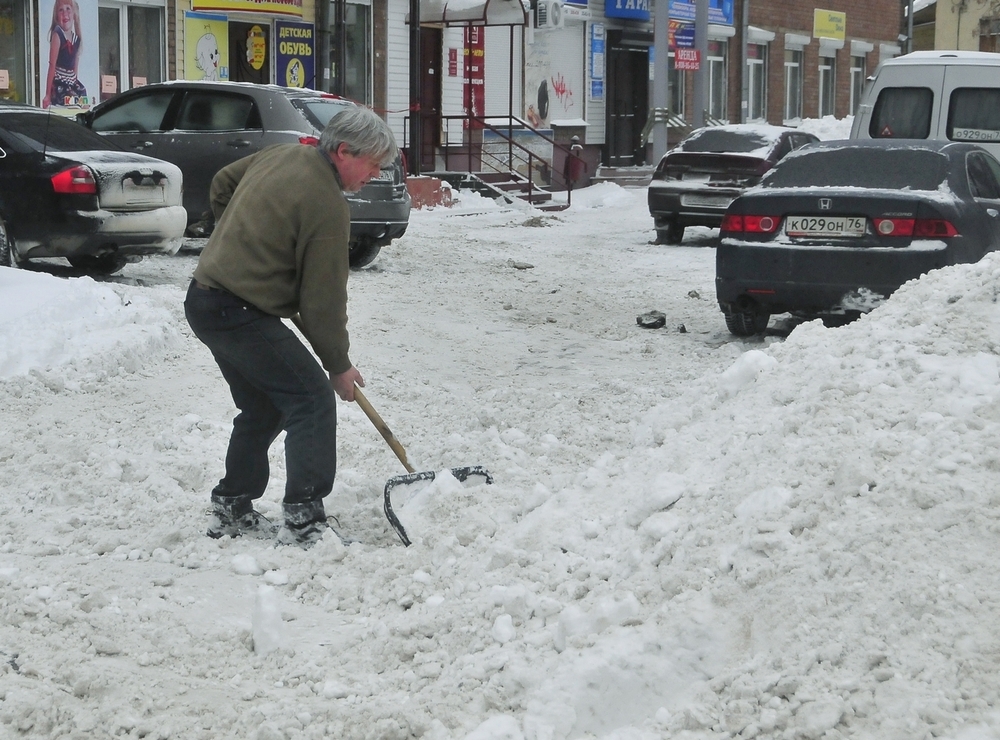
pixel 549 14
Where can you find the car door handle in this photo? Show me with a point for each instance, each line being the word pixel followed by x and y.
pixel 992 212
pixel 142 145
pixel 238 143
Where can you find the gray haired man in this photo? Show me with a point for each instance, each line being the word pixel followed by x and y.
pixel 280 248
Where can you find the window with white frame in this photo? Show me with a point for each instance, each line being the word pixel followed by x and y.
pixel 675 88
pixel 827 85
pixel 130 43
pixel 793 84
pixel 857 81
pixel 718 53
pixel 757 78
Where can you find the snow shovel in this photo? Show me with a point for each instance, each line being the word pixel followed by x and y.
pixel 461 474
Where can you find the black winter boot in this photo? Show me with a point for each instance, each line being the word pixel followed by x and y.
pixel 304 524
pixel 233 516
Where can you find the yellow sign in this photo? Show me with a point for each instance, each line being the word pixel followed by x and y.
pixel 280 7
pixel 256 47
pixel 206 47
pixel 829 24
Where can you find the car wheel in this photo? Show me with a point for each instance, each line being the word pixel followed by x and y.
pixel 747 323
pixel 363 253
pixel 7 258
pixel 104 264
pixel 672 234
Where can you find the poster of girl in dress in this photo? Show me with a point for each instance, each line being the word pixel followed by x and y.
pixel 68 55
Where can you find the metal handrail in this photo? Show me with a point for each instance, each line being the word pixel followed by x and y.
pixel 516 152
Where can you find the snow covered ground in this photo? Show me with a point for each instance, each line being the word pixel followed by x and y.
pixel 689 536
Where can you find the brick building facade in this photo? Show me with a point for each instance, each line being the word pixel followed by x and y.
pixel 782 37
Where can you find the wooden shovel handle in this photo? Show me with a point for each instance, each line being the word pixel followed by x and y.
pixel 370 412
pixel 382 428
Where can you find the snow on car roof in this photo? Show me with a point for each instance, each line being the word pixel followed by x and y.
pixel 745 139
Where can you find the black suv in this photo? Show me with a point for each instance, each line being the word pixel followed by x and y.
pixel 203 126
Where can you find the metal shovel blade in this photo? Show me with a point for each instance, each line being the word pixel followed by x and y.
pixel 460 475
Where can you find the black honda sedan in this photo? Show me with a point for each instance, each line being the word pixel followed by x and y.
pixel 203 126
pixel 66 192
pixel 696 181
pixel 835 228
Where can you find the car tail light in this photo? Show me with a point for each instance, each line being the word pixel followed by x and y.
pixel 934 227
pixel 921 227
pixel 77 179
pixel 406 168
pixel 750 224
pixel 309 140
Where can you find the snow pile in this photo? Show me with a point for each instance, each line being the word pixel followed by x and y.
pixel 688 536
pixel 92 328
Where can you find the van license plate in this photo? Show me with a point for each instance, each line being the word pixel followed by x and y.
pixel 851 226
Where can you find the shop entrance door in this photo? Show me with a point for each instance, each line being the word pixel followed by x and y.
pixel 250 52
pixel 628 101
pixel 430 97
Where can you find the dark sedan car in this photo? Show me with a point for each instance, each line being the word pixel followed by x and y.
pixel 203 126
pixel 66 192
pixel 696 181
pixel 833 230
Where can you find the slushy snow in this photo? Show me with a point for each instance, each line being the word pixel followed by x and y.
pixel 689 535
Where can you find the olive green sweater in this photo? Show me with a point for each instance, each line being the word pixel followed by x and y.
pixel 281 242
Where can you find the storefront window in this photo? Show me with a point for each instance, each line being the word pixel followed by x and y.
pixel 13 50
pixel 757 71
pixel 135 33
pixel 356 76
pixel 145 46
pixel 827 85
pixel 717 53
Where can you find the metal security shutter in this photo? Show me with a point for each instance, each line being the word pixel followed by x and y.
pixel 555 77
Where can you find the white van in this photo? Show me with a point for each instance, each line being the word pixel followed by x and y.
pixel 949 95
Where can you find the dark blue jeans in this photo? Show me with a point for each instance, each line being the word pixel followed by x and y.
pixel 277 385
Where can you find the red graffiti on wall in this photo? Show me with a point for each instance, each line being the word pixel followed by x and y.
pixel 562 91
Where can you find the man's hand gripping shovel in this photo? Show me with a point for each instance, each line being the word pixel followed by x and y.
pixel 460 474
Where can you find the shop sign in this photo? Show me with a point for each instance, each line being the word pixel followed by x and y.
pixel 829 24
pixel 596 61
pixel 280 7
pixel 687 59
pixel 73 82
pixel 206 47
pixel 295 54
pixel 636 10
pixel 720 12
pixel 475 73
pixel 680 34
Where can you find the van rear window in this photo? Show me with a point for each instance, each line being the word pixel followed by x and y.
pixel 974 114
pixel 902 113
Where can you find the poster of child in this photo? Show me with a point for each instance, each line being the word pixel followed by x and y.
pixel 69 64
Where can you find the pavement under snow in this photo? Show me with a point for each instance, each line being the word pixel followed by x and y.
pixel 689 536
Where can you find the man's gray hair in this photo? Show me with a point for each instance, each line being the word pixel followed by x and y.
pixel 365 134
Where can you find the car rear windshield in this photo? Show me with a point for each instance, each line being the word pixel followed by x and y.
pixel 864 167
pixel 902 113
pixel 974 114
pixel 319 111
pixel 734 142
pixel 38 131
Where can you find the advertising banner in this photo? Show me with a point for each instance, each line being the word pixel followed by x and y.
pixel 206 47
pixel 68 56
pixel 294 60
pixel 636 10
pixel 475 72
pixel 719 11
pixel 281 7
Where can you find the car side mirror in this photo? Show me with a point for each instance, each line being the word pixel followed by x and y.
pixel 85 118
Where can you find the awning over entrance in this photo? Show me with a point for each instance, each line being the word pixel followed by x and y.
pixel 472 13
